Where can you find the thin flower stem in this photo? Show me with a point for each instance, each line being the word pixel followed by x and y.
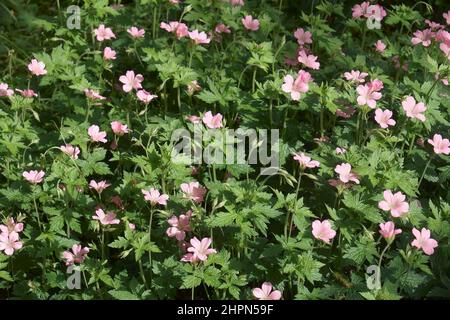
pixel 254 79
pixel 424 170
pixel 141 271
pixel 150 239
pixel 381 258
pixel 36 208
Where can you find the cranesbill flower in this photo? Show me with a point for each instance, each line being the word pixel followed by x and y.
pixel 424 37
pixel 380 46
pixel 446 16
pixel 93 95
pixel 200 249
pixel 34 176
pixel 266 293
pixel 308 60
pixel 305 161
pixel 155 197
pixel 250 23
pixel 221 28
pixel 145 96
pixel 11 226
pixel 27 93
pixel 70 150
pixel 388 231
pixel 109 54
pixel 179 226
pixel 118 128
pixel 199 37
pixel 131 81
pixel 193 87
pixel 424 241
pixel 105 218
pixel 212 122
pixel 297 86
pixel 136 32
pixel 440 145
pixel 360 10
pixel 178 28
pixel 37 67
pixel 303 37
pixel 340 150
pixel 413 109
pixel 96 135
pixel 355 76
pixel 77 255
pixel 4 91
pixel 104 33
pixel 99 186
pixel 368 94
pixel 384 118
pixel 345 173
pixel 194 119
pixel 193 191
pixel 322 230
pixel 9 242
pixel 395 203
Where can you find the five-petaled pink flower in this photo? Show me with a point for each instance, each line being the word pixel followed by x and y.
pixel 305 161
pixel 303 37
pixel 34 176
pixel 221 28
pixel 193 191
pixel 99 186
pixel 119 128
pixel 345 173
pixel 368 94
pixel 96 135
pixel 27 93
pixel 155 197
pixel 446 16
pixel 9 242
pixel 199 37
pixel 424 37
pixel 93 95
pixel 266 293
pixel 194 119
pixel 103 33
pixel 180 29
pixel 37 67
pixel 212 122
pixel 380 46
pixel 297 86
pixel 105 218
pixel 308 60
pixel 109 54
pixel 11 226
pixel 424 241
pixel 70 150
pixel 77 255
pixel 384 118
pixel 388 231
pixel 440 145
pixel 136 32
pixel 322 230
pixel 145 96
pixel 250 23
pixel 179 226
pixel 355 76
pixel 200 249
pixel 4 91
pixel 131 81
pixel 413 109
pixel 395 203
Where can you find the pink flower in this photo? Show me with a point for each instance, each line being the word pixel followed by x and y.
pixel 221 28
pixel 179 226
pixel 193 86
pixel 414 110
pixel 445 48
pixel 212 122
pixel 434 25
pixel 96 135
pixel 136 33
pixel 388 231
pixel 360 10
pixel 199 37
pixel 236 2
pixel 384 118
pixel 380 46
pixel 266 293
pixel 119 128
pixel 27 93
pixel 105 219
pixel 446 16
pixel 345 173
pixel 305 161
pixel 70 150
pixel 99 186
pixel 130 81
pixel 347 113
pixel 155 197
pixel 4 91
pixel 9 242
pixel 355 76
pixel 93 95
pixel 194 119
pixel 109 54
pixel 297 86
pixel 308 60
pixel 323 231
pixel 11 226
pixel 103 33
pixel 180 29
pixel 77 255
pixel 368 94
pixel 250 23
pixel 340 150
pixel 440 145
pixel 424 37
pixel 376 12
pixel 132 226
pixel 34 176
pixel 303 37
pixel 395 203
pixel 193 191
pixel 423 241
pixel 200 249
pixel 145 96
pixel 37 67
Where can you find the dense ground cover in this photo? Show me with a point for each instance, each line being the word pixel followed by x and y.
pixel 94 204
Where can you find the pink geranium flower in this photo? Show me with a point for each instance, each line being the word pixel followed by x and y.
pixel 178 28
pixel 34 176
pixel 154 197
pixel 9 242
pixel 104 33
pixel 308 60
pixel 297 86
pixel 423 241
pixel 136 32
pixel 266 293
pixel 212 122
pixel 193 87
pixel 303 37
pixel 194 119
pixel 27 93
pixel 77 255
pixel 199 37
pixel 305 161
pixel 96 135
pixel 109 54
pixel 340 150
pixel 37 67
pixel 221 28
pixel 446 16
pixel 200 249
pixel 118 128
pixel 355 76
pixel 388 231
pixel 424 37
pixel 99 186
pixel 368 94
pixel 93 95
pixel 380 46
pixel 193 191
pixel 384 118
pixel 322 230
pixel 179 226
pixel 376 12
pixel 4 91
pixel 11 226
pixel 105 218
pixel 413 109
pixel 360 10
pixel 250 23
pixel 131 81
pixel 440 145
pixel 395 203
pixel 345 173
pixel 145 96
pixel 70 150
pixel 236 2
